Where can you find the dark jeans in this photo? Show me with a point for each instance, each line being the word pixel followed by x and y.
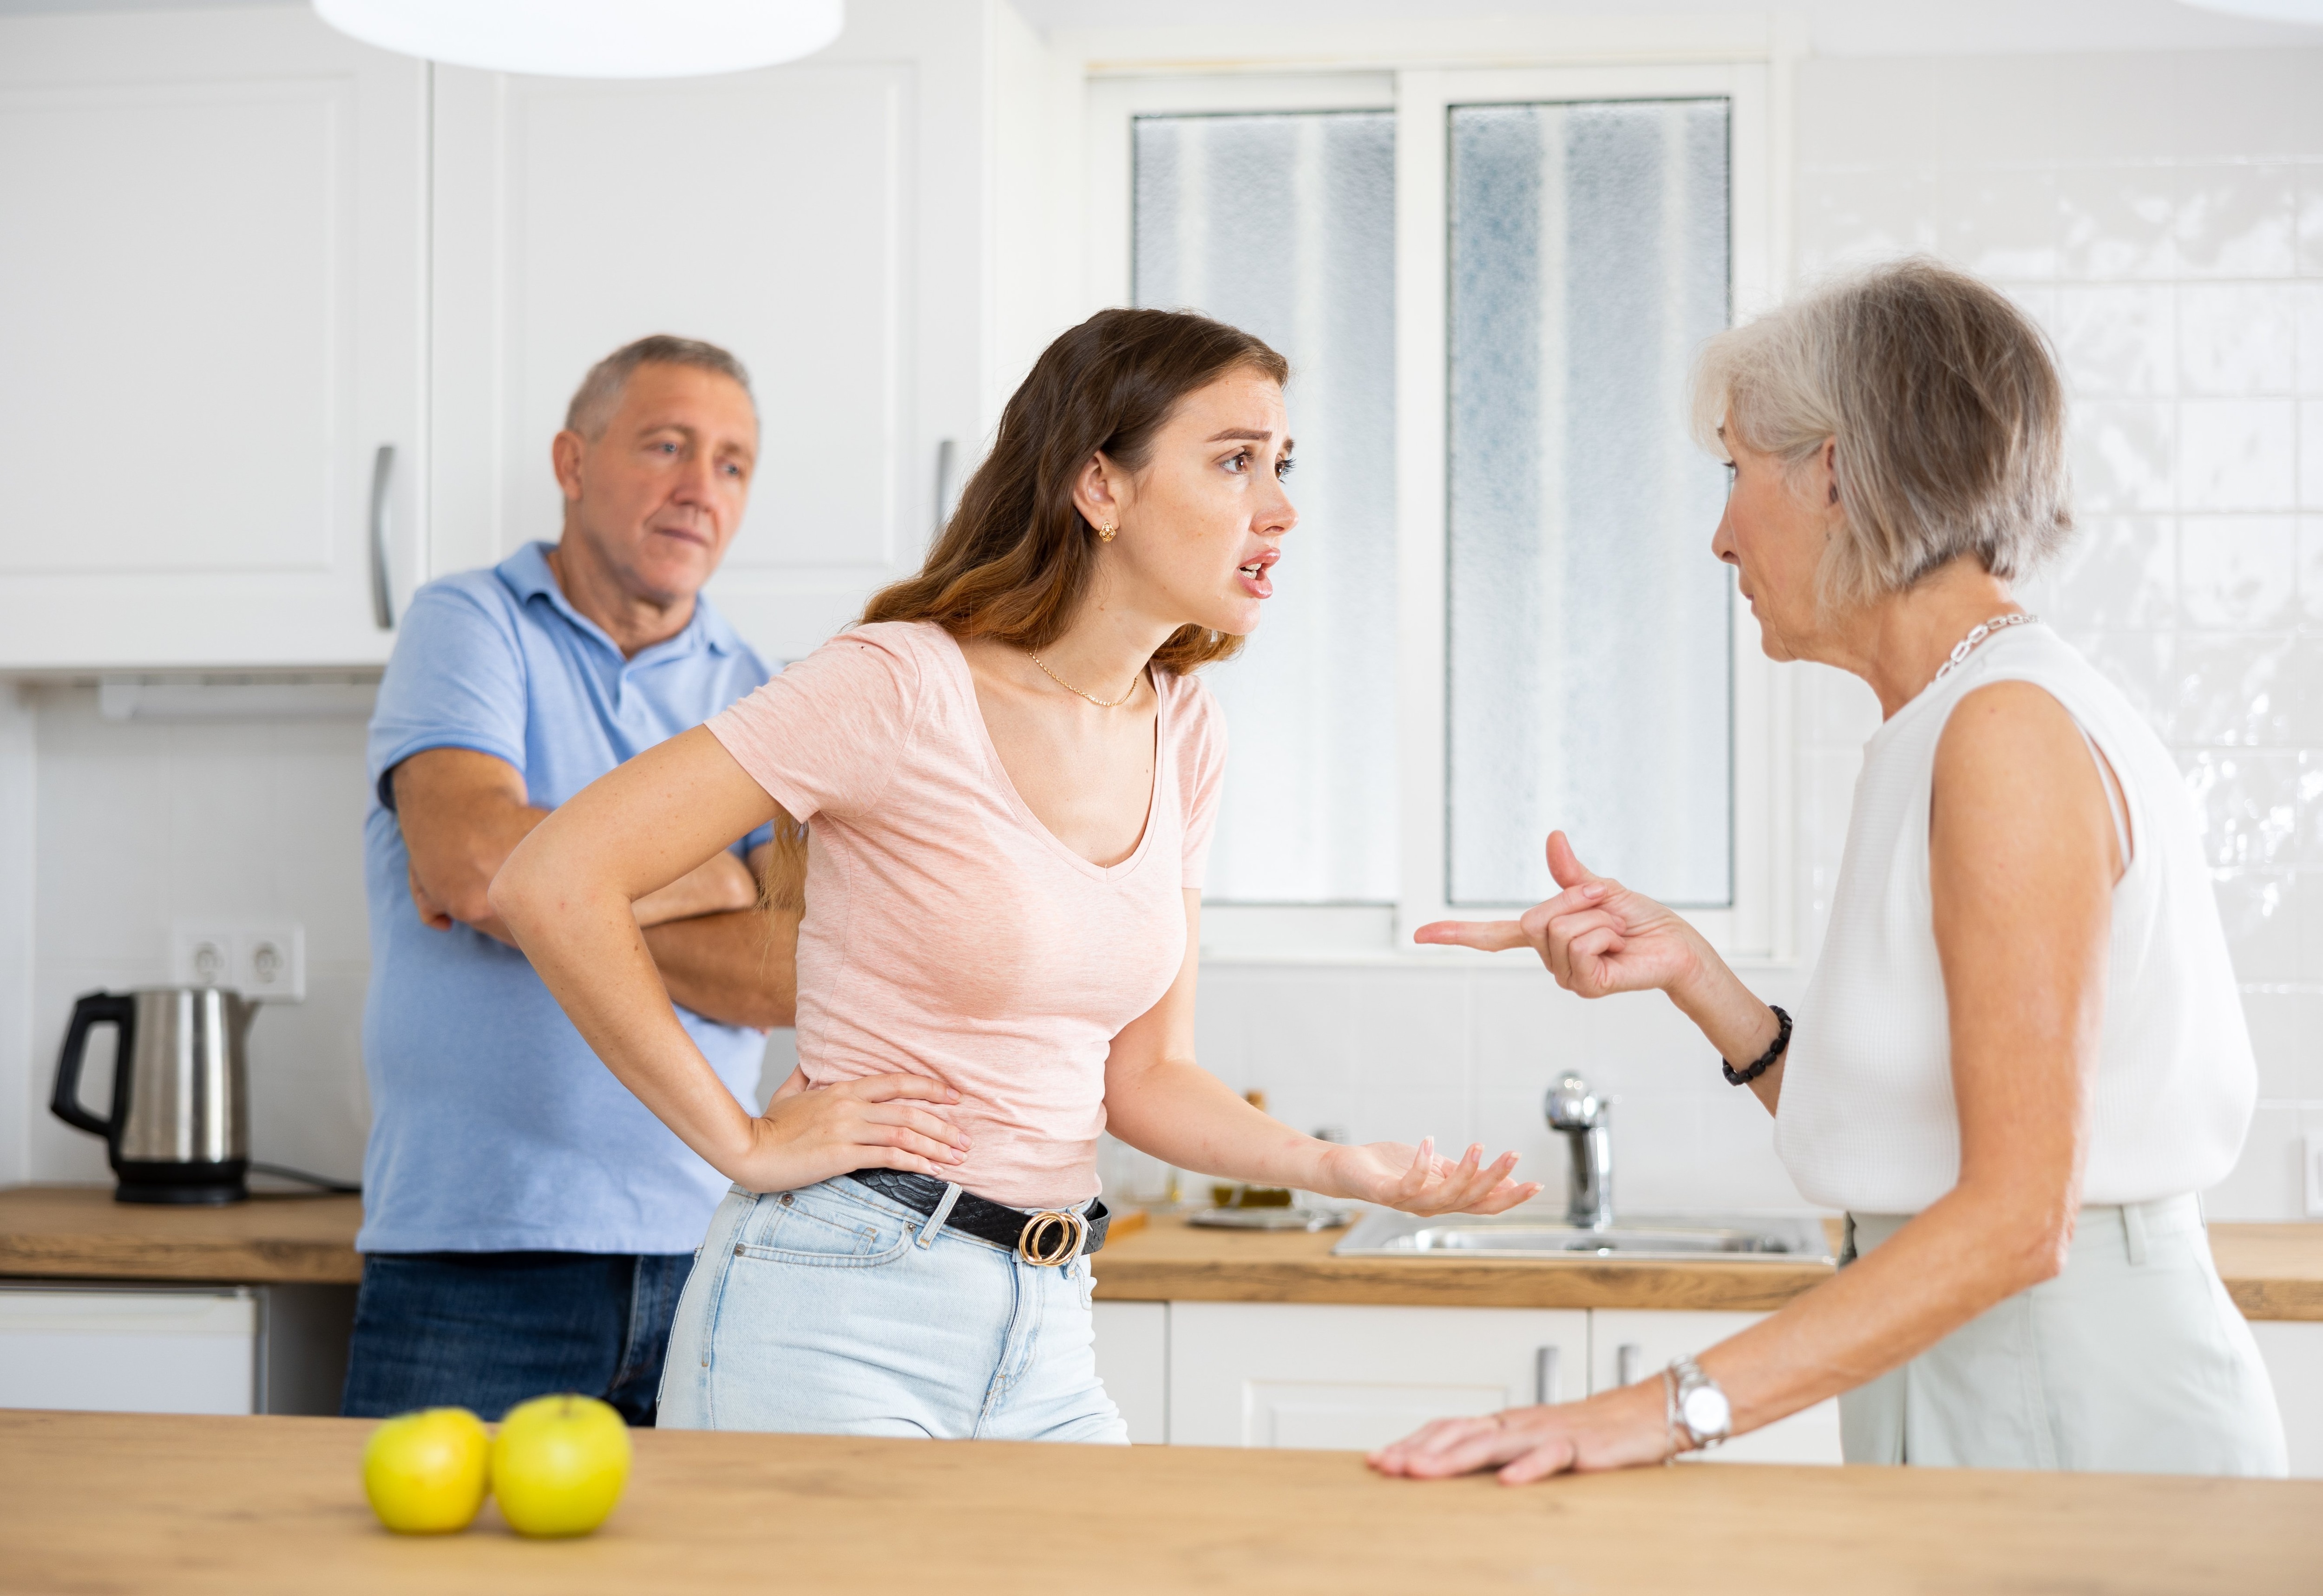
pixel 488 1330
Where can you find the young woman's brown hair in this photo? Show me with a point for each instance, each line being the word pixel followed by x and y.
pixel 1016 558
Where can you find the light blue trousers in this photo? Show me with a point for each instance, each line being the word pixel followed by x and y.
pixel 833 1310
pixel 2134 1359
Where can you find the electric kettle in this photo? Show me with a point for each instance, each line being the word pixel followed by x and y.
pixel 178 1131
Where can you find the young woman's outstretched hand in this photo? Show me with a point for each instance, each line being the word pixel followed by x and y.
pixel 1596 936
pixel 877 1123
pixel 1414 1179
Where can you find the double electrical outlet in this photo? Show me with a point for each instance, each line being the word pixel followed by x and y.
pixel 265 961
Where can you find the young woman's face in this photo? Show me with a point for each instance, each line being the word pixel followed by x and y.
pixel 1200 526
pixel 1776 526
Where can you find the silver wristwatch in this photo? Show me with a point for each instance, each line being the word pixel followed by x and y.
pixel 1698 1407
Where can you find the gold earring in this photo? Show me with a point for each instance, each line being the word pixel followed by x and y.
pixel 1105 533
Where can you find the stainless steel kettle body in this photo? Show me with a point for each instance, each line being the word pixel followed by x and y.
pixel 179 1130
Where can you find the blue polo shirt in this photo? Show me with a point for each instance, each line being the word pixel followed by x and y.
pixel 494 1126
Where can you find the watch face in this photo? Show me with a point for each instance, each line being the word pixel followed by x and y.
pixel 1706 1411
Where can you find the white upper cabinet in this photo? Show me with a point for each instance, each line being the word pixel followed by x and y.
pixel 212 292
pixel 822 220
pixel 240 253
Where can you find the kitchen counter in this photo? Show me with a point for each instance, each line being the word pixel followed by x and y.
pixel 79 1231
pixel 2276 1272
pixel 118 1502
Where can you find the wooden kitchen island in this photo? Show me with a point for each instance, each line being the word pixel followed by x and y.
pixel 95 1503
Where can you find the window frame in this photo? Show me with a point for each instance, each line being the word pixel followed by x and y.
pixel 1760 923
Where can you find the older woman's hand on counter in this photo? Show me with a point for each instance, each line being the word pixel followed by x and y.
pixel 1616 1429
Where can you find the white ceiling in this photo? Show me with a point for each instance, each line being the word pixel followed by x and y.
pixel 1834 27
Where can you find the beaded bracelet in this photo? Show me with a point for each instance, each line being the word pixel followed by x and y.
pixel 1743 1077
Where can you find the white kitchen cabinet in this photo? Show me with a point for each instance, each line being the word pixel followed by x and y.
pixel 1626 1345
pixel 2293 1351
pixel 823 220
pixel 1334 1376
pixel 212 317
pixel 174 1349
pixel 1133 1359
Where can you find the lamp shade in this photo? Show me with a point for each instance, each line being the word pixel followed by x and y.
pixel 594 38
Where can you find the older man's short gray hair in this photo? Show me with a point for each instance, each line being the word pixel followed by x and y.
pixel 600 393
pixel 1946 407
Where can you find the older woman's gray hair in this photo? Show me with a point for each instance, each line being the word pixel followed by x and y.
pixel 1946 407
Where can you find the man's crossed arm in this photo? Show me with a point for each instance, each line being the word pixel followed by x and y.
pixel 725 951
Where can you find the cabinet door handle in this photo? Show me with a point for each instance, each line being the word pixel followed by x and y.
pixel 1628 1363
pixel 382 587
pixel 1547 1387
pixel 947 468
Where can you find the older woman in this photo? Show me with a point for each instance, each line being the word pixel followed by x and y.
pixel 2021 1054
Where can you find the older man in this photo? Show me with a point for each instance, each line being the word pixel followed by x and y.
pixel 528 1224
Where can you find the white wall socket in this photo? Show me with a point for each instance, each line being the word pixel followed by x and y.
pixel 265 961
pixel 2314 1146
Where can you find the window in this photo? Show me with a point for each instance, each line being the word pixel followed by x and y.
pixel 1588 630
pixel 1284 223
pixel 1500 613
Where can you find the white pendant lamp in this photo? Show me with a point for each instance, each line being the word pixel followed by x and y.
pixel 594 38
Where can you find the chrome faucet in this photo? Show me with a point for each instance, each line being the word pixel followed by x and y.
pixel 1581 1114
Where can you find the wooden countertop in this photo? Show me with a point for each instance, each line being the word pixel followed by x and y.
pixel 79 1231
pixel 99 1503
pixel 2274 1272
pixel 1172 1260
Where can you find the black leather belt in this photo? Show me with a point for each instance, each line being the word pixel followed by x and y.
pixel 1049 1236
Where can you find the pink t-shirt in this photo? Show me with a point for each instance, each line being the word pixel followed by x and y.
pixel 947 932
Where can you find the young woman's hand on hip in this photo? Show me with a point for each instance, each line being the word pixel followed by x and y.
pixel 1596 936
pixel 811 1134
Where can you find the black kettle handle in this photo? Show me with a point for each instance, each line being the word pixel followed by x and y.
pixel 92 1010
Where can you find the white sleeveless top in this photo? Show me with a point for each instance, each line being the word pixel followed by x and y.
pixel 1867 1121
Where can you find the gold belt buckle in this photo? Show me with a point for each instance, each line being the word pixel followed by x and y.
pixel 1038 1243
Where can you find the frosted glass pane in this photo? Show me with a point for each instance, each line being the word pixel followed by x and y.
pixel 1285 225
pixel 1589 657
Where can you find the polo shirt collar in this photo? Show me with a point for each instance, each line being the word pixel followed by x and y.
pixel 528 576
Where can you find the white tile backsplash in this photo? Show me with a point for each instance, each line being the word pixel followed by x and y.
pixel 2237 454
pixel 2236 220
pixel 2238 572
pixel 2118 340
pixel 140 823
pixel 2124 455
pixel 2238 338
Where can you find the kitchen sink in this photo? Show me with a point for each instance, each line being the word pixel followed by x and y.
pixel 1538 1235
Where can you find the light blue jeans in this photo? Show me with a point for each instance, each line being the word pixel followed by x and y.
pixel 833 1310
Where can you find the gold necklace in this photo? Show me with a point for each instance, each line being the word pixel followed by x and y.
pixel 1101 704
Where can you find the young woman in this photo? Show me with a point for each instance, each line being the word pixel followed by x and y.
pixel 1009 775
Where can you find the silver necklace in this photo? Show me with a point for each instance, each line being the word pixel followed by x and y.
pixel 1976 635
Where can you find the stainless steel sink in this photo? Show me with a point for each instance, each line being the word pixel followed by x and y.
pixel 1385 1234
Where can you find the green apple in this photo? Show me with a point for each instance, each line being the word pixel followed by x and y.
pixel 559 1464
pixel 424 1473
